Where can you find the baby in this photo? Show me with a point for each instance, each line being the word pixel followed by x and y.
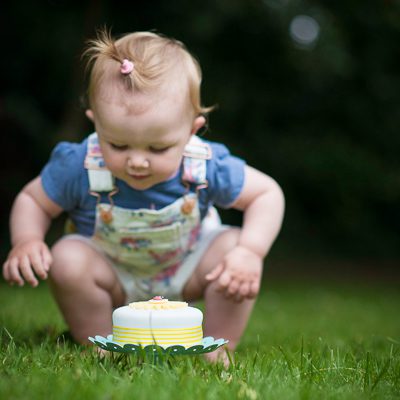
pixel 139 193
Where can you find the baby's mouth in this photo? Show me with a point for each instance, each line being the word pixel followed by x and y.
pixel 139 176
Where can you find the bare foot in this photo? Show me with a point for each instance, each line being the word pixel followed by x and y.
pixel 220 356
pixel 102 353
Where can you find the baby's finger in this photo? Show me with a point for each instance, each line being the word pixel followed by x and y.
pixel 233 287
pixel 13 270
pixel 215 273
pixel 224 280
pixel 254 289
pixel 244 289
pixel 37 265
pixel 27 272
pixel 6 271
pixel 238 298
pixel 46 257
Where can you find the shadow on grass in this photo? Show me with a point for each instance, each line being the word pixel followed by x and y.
pixel 47 335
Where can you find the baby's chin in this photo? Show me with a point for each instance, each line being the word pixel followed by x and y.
pixel 142 184
pixel 146 182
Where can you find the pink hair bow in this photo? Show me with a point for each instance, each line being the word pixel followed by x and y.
pixel 126 67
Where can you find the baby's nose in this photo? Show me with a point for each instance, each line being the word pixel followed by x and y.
pixel 137 160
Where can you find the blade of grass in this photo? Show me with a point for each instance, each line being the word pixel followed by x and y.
pixel 289 364
pixel 366 372
pixel 301 357
pixel 381 374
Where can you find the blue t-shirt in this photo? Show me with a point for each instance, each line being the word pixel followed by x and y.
pixel 66 182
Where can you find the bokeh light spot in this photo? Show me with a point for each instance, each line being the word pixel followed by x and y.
pixel 304 30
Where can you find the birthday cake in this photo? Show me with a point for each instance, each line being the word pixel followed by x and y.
pixel 158 321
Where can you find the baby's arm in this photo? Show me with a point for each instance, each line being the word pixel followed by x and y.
pixel 262 201
pixel 30 219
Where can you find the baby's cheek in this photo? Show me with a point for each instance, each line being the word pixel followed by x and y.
pixel 113 162
pixel 166 166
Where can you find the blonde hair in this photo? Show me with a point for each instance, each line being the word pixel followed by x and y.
pixel 154 57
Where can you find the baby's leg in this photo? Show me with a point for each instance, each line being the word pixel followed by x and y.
pixel 85 287
pixel 224 318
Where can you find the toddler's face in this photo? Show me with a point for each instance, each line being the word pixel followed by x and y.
pixel 146 147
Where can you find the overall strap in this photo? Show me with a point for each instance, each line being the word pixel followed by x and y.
pixel 195 157
pixel 100 178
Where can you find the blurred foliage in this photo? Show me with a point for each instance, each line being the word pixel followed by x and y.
pixel 323 120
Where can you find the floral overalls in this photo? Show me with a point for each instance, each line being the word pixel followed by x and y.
pixel 150 244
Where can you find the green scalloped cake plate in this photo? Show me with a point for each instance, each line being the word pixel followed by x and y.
pixel 208 345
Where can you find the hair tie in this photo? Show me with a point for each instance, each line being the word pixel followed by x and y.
pixel 126 67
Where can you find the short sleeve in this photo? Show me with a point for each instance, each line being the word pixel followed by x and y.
pixel 62 175
pixel 225 175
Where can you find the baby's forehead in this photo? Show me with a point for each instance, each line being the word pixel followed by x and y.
pixel 170 95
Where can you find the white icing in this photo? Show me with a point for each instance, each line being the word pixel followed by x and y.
pixel 176 318
pixel 182 326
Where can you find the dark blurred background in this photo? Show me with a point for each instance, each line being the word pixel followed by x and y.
pixel 307 91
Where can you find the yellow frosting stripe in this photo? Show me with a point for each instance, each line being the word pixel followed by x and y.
pixel 158 330
pixel 185 337
pixel 151 340
pixel 159 334
pixel 150 334
pixel 160 342
pixel 158 337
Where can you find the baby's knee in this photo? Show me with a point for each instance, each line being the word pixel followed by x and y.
pixel 229 239
pixel 70 260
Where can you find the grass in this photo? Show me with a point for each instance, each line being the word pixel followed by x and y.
pixel 304 341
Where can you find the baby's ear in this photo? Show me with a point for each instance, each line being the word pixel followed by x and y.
pixel 198 123
pixel 89 114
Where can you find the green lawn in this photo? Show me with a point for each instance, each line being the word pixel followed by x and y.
pixel 304 341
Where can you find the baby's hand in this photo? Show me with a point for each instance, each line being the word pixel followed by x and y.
pixel 239 274
pixel 26 260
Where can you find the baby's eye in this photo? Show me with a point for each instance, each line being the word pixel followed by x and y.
pixel 159 149
pixel 118 146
